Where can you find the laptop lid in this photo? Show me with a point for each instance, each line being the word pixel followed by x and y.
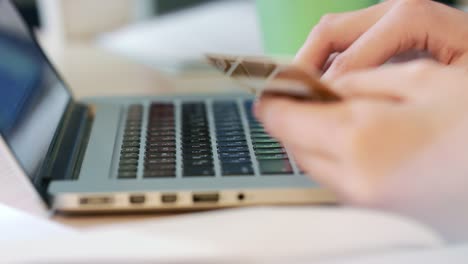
pixel 33 98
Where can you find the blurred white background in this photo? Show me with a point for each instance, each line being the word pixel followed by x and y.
pixel 166 34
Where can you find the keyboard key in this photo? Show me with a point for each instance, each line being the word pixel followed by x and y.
pixel 259 130
pixel 127 175
pixel 160 149
pixel 275 167
pixel 234 127
pixel 155 123
pixel 203 156
pixel 270 151
pixel 237 169
pixel 267 145
pixel 233 149
pixel 165 138
pixel 197 163
pixel 129 162
pixel 161 133
pixel 162 166
pixel 153 128
pixel 231 155
pixel 131 139
pixel 133 128
pixel 159 174
pixel 280 156
pixel 196 151
pixel 129 156
pixel 230 133
pixel 160 155
pixel 130 150
pixel 130 144
pixel 132 133
pixel 127 168
pixel 237 160
pixel 192 141
pixel 194 171
pixel 134 116
pixel 193 131
pixel 259 135
pixel 204 134
pixel 150 140
pixel 230 138
pixel 232 144
pixel 264 140
pixel 201 145
pixel 160 160
pixel 161 144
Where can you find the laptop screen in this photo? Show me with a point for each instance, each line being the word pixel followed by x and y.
pixel 33 99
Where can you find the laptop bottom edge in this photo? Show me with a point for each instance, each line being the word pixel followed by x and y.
pixel 173 201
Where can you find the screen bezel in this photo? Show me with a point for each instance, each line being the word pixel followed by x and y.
pixel 36 180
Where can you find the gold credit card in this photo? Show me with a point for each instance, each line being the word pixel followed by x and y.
pixel 262 75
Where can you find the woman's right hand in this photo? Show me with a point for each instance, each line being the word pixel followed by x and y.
pixel 369 37
pixel 397 142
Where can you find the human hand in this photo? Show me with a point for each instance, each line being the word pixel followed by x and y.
pixel 370 37
pixel 398 140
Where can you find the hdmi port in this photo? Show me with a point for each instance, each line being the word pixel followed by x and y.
pixel 205 197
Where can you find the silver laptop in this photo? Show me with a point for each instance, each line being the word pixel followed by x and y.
pixel 136 154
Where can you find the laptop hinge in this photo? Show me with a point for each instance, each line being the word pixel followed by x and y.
pixel 66 155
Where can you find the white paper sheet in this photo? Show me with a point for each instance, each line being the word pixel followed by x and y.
pixel 16 189
pixel 20 226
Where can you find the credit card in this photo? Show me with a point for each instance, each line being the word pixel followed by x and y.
pixel 263 75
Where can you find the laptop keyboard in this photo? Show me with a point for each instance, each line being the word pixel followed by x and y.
pixel 197 151
pixel 232 146
pixel 130 150
pixel 160 152
pixel 197 158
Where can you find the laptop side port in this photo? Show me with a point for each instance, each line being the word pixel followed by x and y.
pixel 205 197
pixel 137 199
pixel 96 200
pixel 169 198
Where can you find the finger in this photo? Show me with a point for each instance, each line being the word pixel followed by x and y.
pixel 329 61
pixel 385 83
pixel 387 38
pixel 335 33
pixel 302 124
pixel 323 171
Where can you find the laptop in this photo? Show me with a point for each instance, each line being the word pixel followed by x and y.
pixel 125 154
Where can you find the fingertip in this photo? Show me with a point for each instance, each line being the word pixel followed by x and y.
pixel 307 67
pixel 275 113
pixel 312 56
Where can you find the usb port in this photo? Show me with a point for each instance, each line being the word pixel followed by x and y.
pixel 205 197
pixel 169 198
pixel 137 199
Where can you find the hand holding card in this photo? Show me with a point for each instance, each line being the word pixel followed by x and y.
pixel 261 75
